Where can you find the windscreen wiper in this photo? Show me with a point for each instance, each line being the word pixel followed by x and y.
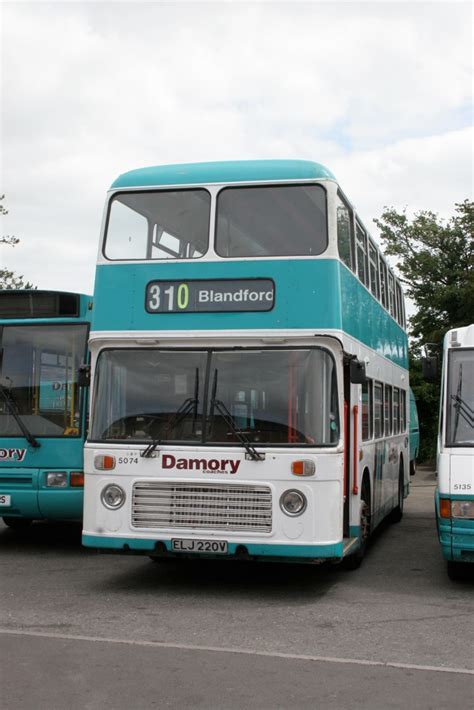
pixel 229 420
pixel 189 405
pixel 462 407
pixel 12 406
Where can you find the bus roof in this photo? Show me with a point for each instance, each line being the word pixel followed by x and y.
pixel 460 337
pixel 33 305
pixel 223 172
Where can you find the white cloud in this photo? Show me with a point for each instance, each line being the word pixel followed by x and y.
pixel 377 91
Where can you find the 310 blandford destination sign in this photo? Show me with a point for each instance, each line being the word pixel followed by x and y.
pixel 198 296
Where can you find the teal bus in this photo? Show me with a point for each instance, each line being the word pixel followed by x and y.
pixel 414 433
pixel 43 410
pixel 249 368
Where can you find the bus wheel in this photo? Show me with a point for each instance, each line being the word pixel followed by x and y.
pixel 354 561
pixel 17 523
pixel 397 513
pixel 412 467
pixel 460 571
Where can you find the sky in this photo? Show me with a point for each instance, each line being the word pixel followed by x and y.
pixel 378 92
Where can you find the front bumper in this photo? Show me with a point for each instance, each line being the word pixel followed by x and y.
pixel 236 550
pixel 456 536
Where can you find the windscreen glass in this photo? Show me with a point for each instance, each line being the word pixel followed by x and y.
pixel 38 379
pixel 275 397
pixel 139 392
pixel 460 398
pixel 271 221
pixel 171 224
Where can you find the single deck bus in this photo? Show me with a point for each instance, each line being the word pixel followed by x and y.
pixel 43 343
pixel 455 456
pixel 249 368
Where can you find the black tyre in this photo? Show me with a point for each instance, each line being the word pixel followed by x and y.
pixel 460 571
pixel 397 513
pixel 17 523
pixel 354 561
pixel 412 467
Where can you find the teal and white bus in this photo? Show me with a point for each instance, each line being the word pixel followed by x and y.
pixel 414 433
pixel 249 368
pixel 43 343
pixel 455 455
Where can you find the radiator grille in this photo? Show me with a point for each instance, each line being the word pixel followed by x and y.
pixel 235 508
pixel 16 479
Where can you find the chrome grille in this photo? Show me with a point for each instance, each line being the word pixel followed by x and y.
pixel 235 508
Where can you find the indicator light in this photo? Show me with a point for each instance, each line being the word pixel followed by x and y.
pixel 305 467
pixel 104 463
pixel 445 507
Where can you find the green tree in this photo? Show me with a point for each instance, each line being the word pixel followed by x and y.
pixel 8 279
pixel 435 262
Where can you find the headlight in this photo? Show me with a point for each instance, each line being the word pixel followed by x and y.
pixel 56 479
pixel 462 508
pixel 293 502
pixel 112 496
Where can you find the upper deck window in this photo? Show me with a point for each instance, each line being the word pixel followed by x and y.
pixel 169 224
pixel 289 220
pixel 345 232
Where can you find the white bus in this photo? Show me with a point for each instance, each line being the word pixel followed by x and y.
pixel 249 368
pixel 455 454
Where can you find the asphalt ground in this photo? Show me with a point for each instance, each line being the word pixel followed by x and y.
pixel 80 629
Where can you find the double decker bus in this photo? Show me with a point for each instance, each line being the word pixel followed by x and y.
pixel 454 496
pixel 43 344
pixel 249 368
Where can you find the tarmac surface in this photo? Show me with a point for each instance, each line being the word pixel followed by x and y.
pixel 80 629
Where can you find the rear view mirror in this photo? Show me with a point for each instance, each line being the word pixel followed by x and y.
pixel 357 372
pixel 84 376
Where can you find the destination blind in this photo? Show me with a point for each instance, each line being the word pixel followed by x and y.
pixel 200 296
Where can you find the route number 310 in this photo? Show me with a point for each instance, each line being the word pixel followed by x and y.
pixel 163 299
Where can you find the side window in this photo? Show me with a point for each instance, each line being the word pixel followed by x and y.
pixel 378 410
pixel 403 410
pixel 345 232
pixel 374 270
pixel 362 265
pixel 401 314
pixel 387 409
pixel 391 293
pixel 383 282
pixel 396 410
pixel 367 410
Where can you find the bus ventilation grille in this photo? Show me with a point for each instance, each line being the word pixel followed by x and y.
pixel 186 505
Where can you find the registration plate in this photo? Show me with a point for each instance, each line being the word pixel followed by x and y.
pixel 214 547
pixel 5 500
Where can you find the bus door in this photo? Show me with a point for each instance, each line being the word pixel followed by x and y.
pixel 354 375
pixel 347 428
